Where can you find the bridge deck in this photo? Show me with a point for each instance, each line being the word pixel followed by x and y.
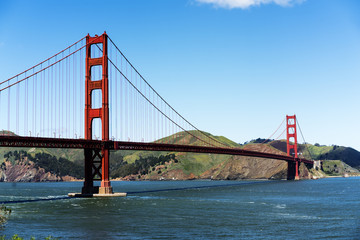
pixel 16 141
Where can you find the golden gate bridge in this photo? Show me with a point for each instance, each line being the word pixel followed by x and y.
pixel 43 106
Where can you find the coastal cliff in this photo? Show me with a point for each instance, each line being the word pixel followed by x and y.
pixel 21 166
pixel 25 171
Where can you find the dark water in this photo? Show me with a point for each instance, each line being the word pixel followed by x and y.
pixel 321 209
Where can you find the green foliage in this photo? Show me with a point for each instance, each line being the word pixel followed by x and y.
pixel 197 163
pixel 337 168
pixel 140 166
pixel 317 151
pixel 4 214
pixel 144 162
pixel 220 139
pixel 16 237
pixel 131 158
pixel 348 155
pixel 192 138
pixel 74 155
pixel 334 167
pixel 259 140
pixel 50 238
pixel 320 152
pixel 59 166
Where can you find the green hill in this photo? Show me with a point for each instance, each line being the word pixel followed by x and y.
pixel 174 165
pixel 197 165
pixel 184 163
pixel 321 152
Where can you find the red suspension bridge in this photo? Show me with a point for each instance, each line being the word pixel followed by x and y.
pixel 44 107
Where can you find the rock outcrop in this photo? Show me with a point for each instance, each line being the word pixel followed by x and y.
pixel 25 171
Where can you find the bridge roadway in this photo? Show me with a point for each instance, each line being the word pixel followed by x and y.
pixel 17 141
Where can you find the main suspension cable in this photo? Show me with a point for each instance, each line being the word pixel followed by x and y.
pixel 156 106
pixel 164 99
pixel 41 70
pixel 274 132
pixel 42 61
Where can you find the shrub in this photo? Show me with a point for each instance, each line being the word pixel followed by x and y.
pixel 4 214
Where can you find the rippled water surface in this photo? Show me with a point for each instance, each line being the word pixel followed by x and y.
pixel 321 209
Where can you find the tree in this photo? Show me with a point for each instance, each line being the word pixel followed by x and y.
pixel 4 214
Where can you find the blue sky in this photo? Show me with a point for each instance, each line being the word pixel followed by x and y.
pixel 233 67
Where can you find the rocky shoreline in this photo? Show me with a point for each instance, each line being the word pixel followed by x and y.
pixel 235 168
pixel 26 171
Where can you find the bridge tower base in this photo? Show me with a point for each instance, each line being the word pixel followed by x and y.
pixel 293 171
pixel 94 162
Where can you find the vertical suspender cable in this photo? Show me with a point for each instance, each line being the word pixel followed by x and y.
pixel 117 110
pixel 34 103
pixel 74 96
pixel 42 103
pixel 51 95
pixel 28 104
pixel 17 108
pixel 55 98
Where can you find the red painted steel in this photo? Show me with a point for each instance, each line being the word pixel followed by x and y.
pixel 291 142
pixel 291 135
pixel 96 152
pixel 15 141
pixel 102 113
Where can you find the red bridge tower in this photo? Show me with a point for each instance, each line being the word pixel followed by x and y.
pixel 96 160
pixel 291 142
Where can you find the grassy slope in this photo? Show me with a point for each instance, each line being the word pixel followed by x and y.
pixel 194 163
pixel 198 163
pixel 348 155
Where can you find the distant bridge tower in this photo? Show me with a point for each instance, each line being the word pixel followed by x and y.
pixel 291 142
pixel 97 161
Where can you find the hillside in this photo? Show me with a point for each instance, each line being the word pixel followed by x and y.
pixel 22 166
pixel 203 166
pixel 146 165
pixel 320 152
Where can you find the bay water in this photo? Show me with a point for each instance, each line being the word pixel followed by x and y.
pixel 308 209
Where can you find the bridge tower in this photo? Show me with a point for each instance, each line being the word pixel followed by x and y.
pixel 291 142
pixel 97 161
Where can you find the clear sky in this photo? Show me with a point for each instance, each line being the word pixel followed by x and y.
pixel 232 67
